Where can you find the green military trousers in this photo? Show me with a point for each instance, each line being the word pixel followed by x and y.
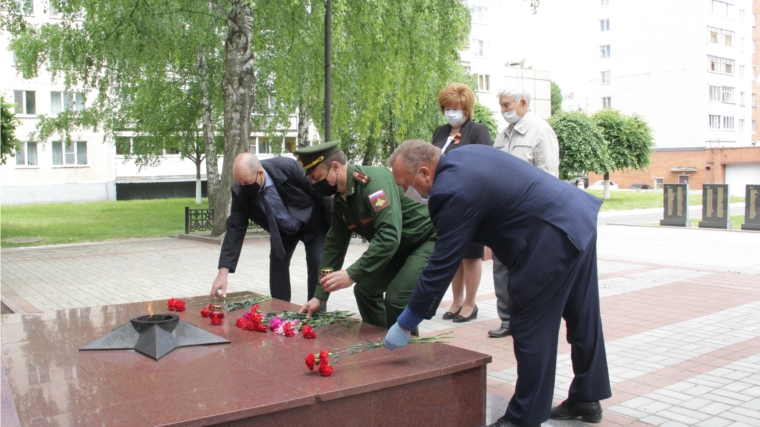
pixel 397 281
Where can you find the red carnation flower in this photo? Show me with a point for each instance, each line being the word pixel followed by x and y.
pixel 259 327
pixel 176 305
pixel 308 332
pixel 204 312
pixel 287 331
pixel 325 369
pixel 242 321
pixel 310 361
pixel 324 357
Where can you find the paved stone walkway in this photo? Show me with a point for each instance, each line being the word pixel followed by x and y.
pixel 681 312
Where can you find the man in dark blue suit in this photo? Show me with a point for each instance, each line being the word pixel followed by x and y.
pixel 544 231
pixel 276 195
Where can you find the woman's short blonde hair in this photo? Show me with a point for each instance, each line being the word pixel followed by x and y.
pixel 461 93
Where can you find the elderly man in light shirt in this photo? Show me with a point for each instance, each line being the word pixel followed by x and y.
pixel 530 138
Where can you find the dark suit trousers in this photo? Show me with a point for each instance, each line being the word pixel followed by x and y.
pixel 279 269
pixel 573 296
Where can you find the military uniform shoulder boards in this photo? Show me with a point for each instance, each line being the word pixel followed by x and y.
pixel 360 177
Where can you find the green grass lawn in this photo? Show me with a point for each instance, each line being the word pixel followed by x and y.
pixel 57 223
pixel 627 200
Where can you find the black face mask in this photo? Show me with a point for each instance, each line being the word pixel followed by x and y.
pixel 324 188
pixel 250 191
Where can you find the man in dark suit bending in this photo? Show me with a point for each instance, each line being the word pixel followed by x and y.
pixel 544 231
pixel 277 196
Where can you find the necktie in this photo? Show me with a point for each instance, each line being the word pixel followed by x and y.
pixel 274 229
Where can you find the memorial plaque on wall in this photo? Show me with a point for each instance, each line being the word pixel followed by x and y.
pixel 751 208
pixel 676 205
pixel 716 212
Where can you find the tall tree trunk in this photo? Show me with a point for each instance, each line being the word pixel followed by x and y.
pixel 303 126
pixel 607 186
pixel 198 160
pixel 209 139
pixel 237 88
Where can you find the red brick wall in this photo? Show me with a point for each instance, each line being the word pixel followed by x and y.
pixel 664 161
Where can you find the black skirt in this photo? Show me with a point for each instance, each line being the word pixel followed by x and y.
pixel 475 251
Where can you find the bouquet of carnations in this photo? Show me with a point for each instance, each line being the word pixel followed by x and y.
pixel 322 360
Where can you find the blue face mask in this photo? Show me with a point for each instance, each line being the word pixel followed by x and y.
pixel 453 117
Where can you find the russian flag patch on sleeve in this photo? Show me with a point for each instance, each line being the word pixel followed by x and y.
pixel 379 200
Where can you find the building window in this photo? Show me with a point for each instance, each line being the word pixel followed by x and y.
pixel 754 20
pixel 14 58
pixel 26 154
pixel 479 14
pixel 123 145
pixel 605 2
pixel 713 121
pixel 717 35
pixel 741 125
pixel 25 6
pixel 714 93
pixel 741 99
pixel 484 82
pixel 720 65
pixel 754 45
pixel 741 71
pixel 753 126
pixel 606 77
pixel 658 183
pixel 728 122
pixel 607 102
pixel 753 100
pixel 479 48
pixel 25 101
pixel 56 7
pixel 74 153
pixel 720 8
pixel 605 24
pixel 741 16
pixel 728 95
pixel 605 51
pixel 66 101
pixel 754 73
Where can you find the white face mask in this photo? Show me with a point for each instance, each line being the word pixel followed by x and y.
pixel 415 195
pixel 454 117
pixel 511 116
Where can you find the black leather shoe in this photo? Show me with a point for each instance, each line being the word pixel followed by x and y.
pixel 588 412
pixel 472 316
pixel 502 422
pixel 499 333
pixel 449 315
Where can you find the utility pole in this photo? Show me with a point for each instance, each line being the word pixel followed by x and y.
pixel 328 12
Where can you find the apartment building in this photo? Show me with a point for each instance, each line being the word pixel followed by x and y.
pixel 688 67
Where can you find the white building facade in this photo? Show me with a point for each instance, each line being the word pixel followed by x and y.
pixel 488 59
pixel 685 66
pixel 90 168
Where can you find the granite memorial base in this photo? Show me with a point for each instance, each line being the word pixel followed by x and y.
pixel 751 206
pixel 676 205
pixel 259 379
pixel 715 207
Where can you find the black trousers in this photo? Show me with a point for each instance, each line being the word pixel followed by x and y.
pixel 279 269
pixel 573 296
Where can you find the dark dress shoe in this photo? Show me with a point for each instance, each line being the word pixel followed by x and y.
pixel 502 422
pixel 588 412
pixel 499 333
pixel 449 315
pixel 473 315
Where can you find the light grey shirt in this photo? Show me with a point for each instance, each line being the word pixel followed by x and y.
pixel 533 140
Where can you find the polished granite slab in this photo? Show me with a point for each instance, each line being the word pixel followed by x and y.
pixel 259 379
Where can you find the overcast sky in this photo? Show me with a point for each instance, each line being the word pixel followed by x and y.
pixel 558 39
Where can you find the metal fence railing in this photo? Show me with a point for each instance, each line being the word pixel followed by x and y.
pixel 203 220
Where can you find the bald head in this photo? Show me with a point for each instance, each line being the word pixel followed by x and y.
pixel 245 168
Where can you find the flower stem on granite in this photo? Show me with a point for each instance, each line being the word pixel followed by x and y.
pixel 237 305
pixel 322 359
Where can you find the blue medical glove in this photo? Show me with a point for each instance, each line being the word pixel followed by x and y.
pixel 396 338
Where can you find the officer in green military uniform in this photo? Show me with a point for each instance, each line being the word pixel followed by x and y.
pixel 369 203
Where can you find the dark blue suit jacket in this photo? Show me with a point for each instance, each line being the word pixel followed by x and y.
pixel 535 224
